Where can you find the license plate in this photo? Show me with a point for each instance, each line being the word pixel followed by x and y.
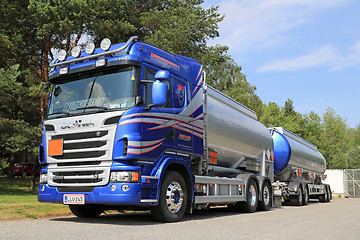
pixel 74 199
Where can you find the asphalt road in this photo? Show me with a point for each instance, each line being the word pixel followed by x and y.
pixel 339 219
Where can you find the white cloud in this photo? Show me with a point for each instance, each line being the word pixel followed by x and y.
pixel 259 24
pixel 326 55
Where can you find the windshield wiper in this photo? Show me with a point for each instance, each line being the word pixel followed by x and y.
pixel 93 107
pixel 63 112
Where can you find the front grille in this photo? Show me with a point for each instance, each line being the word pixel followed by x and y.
pixel 78 155
pixel 93 144
pixel 75 189
pixel 79 176
pixel 77 136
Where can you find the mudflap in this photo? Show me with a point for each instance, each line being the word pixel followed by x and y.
pixel 277 201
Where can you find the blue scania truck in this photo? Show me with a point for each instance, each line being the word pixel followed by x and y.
pixel 131 126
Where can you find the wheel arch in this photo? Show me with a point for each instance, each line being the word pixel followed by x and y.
pixel 181 166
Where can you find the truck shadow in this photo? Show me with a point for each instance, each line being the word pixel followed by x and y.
pixel 143 218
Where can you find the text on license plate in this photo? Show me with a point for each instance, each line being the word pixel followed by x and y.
pixel 74 199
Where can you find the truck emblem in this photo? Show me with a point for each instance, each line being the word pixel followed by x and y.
pixel 77 124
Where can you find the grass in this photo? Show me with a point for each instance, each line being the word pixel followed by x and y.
pixel 18 202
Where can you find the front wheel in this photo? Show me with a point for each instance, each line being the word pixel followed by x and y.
pixel 252 198
pixel 86 211
pixel 173 198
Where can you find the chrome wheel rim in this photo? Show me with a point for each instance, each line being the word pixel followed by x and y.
pixel 174 197
pixel 266 195
pixel 252 195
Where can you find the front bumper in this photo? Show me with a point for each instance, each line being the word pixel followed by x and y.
pixel 100 195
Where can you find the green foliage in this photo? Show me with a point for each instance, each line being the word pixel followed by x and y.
pixel 36 28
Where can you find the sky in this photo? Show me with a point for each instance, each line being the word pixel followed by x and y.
pixel 304 50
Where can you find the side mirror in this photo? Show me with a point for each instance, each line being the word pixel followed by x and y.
pixel 159 93
pixel 162 75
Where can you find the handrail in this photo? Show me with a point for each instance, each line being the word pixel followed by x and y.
pixel 133 38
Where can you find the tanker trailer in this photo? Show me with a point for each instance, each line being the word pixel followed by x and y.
pixel 299 168
pixel 238 147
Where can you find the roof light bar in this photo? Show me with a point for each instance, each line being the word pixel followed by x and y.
pixel 134 38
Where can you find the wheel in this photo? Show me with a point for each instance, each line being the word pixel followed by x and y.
pixel 306 196
pixel 266 203
pixel 324 198
pixel 173 198
pixel 23 174
pixel 328 193
pixel 298 199
pixel 86 211
pixel 252 198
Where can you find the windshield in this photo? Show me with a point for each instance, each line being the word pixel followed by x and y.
pixel 94 92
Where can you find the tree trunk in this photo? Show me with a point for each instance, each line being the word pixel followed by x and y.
pixel 33 175
pixel 10 173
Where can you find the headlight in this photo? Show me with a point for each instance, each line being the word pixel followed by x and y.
pixel 76 51
pixel 43 178
pixel 90 48
pixel 105 44
pixel 62 55
pixel 124 176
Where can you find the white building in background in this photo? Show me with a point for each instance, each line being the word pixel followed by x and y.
pixel 335 177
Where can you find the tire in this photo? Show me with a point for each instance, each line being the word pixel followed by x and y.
pixel 306 196
pixel 252 195
pixel 324 198
pixel 297 200
pixel 328 193
pixel 23 174
pixel 266 192
pixel 173 198
pixel 86 211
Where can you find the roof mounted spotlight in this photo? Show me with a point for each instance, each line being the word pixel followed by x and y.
pixel 105 44
pixel 90 48
pixel 76 51
pixel 62 55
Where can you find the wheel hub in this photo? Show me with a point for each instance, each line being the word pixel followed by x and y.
pixel 174 197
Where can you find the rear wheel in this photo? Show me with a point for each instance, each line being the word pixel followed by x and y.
pixel 86 211
pixel 324 198
pixel 173 198
pixel 298 199
pixel 252 198
pixel 306 196
pixel 266 202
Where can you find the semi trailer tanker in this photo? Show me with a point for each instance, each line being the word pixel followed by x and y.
pixel 131 126
pixel 298 167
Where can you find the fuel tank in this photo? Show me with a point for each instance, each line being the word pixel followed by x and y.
pixel 292 150
pixel 233 130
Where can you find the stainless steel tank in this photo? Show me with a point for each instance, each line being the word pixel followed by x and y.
pixel 233 130
pixel 291 150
